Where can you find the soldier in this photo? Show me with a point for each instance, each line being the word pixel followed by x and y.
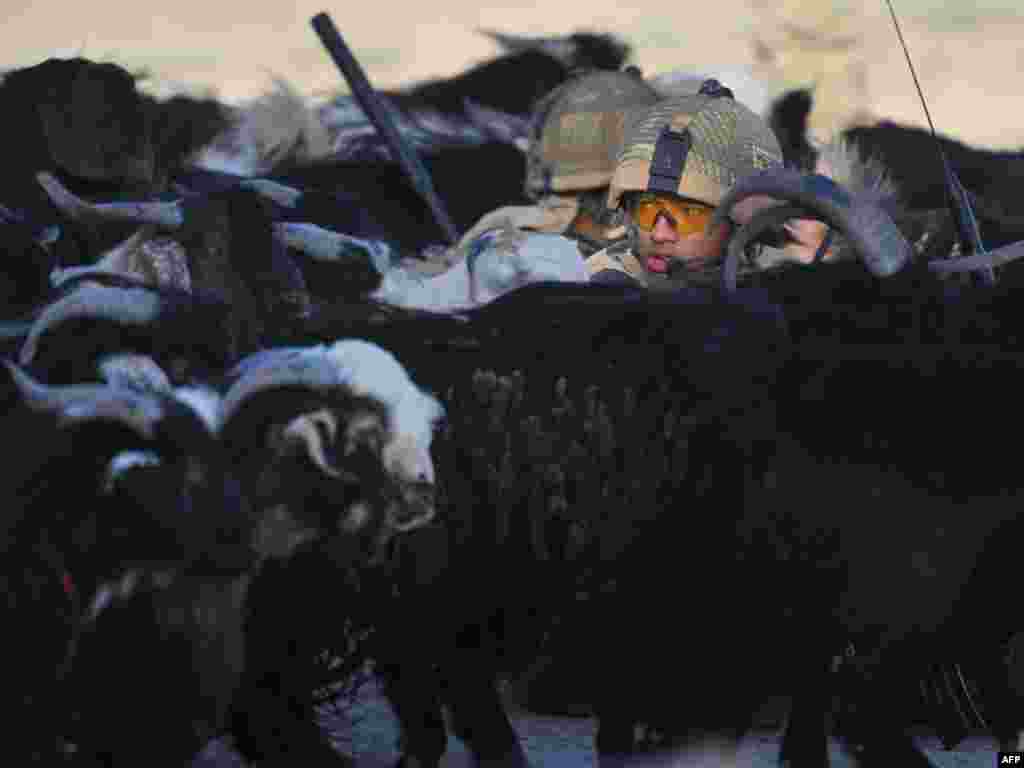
pixel 575 136
pixel 678 160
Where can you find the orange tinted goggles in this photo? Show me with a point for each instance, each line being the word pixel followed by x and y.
pixel 686 216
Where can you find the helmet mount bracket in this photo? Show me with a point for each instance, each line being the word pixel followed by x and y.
pixel 669 159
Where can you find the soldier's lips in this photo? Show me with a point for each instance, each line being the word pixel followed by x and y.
pixel 656 263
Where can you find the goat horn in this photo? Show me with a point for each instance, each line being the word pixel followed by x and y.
pixel 80 403
pixel 169 216
pixel 116 262
pixel 134 371
pixel 132 306
pixel 279 193
pixel 305 368
pixel 994 258
pixel 325 245
pixel 60 278
pixel 762 221
pixel 303 430
pixel 868 228
pixel 498 125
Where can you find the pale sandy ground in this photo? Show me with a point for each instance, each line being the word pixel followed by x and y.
pixel 969 55
pixel 558 742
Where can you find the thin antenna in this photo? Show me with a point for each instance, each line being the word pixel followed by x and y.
pixel 959 202
pixel 913 73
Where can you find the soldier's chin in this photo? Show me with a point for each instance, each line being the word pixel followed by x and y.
pixel 691 266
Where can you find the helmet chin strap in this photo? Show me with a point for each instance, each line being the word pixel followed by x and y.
pixel 632 233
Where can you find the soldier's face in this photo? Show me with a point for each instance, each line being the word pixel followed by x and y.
pixel 664 240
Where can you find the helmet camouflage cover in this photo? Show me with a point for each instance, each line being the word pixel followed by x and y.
pixel 577 131
pixel 725 141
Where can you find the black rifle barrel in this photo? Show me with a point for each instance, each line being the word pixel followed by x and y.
pixel 377 111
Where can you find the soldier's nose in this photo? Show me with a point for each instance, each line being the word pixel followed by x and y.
pixel 664 229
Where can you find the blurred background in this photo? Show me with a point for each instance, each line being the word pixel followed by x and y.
pixel 969 56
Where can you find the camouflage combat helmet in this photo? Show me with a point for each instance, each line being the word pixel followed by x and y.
pixel 695 146
pixel 577 130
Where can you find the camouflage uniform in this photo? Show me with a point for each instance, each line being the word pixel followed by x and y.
pixel 575 136
pixel 725 142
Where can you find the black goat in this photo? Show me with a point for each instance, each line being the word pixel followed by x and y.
pixel 491 101
pixel 910 158
pixel 118 491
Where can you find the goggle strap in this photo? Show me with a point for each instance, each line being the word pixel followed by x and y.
pixel 826 243
pixel 670 153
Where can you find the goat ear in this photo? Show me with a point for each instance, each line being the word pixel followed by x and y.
pixel 279 534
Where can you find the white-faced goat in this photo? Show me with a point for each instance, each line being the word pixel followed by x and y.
pixel 329 441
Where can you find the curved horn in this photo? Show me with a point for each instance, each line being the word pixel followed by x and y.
pixel 79 403
pixel 994 258
pixel 132 306
pixel 140 372
pixel 305 430
pixel 117 261
pixel 125 461
pixel 308 368
pixel 497 125
pixel 869 229
pixel 280 193
pixel 59 278
pixel 325 245
pixel 166 215
pixel 763 220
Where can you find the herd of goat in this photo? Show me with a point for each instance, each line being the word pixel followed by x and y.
pixel 279 462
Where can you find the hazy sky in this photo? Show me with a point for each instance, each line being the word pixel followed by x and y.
pixel 967 57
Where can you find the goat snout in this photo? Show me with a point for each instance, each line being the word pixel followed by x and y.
pixel 418 507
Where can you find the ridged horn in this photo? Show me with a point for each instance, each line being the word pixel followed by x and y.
pixel 139 372
pixel 762 221
pixel 869 229
pixel 325 245
pixel 116 262
pixel 994 258
pixel 80 403
pixel 168 216
pixel 131 306
pixel 305 430
pixel 299 368
pixel 280 193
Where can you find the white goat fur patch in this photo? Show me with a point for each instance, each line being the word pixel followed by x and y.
pixel 369 370
pixel 278 126
pixel 205 403
pixel 843 161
